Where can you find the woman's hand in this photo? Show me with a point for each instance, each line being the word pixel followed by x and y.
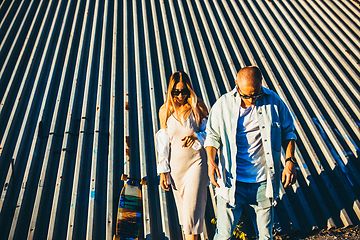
pixel 163 182
pixel 189 140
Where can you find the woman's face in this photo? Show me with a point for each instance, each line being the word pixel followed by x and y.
pixel 180 93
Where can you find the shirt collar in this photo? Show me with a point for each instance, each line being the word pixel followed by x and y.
pixel 234 92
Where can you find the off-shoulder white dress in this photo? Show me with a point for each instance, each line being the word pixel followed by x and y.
pixel 188 170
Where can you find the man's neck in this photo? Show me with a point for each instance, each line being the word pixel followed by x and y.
pixel 244 105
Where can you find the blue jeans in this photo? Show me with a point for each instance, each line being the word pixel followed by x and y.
pixel 261 211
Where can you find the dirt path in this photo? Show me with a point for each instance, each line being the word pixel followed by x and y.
pixel 351 233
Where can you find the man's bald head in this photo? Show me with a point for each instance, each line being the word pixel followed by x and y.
pixel 248 82
pixel 250 75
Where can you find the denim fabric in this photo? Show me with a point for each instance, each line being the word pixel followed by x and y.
pixel 253 195
pixel 276 126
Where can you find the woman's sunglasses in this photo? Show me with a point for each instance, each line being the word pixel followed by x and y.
pixel 184 91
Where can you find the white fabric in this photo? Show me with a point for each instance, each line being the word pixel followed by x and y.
pixel 163 146
pixel 250 157
pixel 201 135
pixel 189 175
pixel 276 126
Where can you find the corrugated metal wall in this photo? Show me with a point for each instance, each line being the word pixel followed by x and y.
pixel 81 83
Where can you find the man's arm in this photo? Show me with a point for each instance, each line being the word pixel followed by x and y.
pixel 289 173
pixel 212 166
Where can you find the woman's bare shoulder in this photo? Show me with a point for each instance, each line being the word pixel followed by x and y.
pixel 162 115
pixel 162 110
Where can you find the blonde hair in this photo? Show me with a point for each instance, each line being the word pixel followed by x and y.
pixel 192 99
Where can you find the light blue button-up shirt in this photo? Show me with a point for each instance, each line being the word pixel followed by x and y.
pixel 276 126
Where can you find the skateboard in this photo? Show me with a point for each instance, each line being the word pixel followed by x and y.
pixel 129 209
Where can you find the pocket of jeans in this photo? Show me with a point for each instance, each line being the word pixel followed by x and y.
pixel 261 193
pixel 222 200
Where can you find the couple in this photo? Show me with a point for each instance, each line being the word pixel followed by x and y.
pixel 246 128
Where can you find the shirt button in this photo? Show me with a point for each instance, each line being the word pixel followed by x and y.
pixel 265 140
pixel 271 168
pixel 267 153
pixel 263 126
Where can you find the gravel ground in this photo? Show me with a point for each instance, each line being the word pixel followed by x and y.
pixel 350 233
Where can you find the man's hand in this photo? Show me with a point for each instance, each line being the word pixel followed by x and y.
pixel 163 182
pixel 189 140
pixel 212 166
pixel 289 174
pixel 212 170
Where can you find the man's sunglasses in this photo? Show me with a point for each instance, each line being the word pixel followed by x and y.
pixel 251 96
pixel 184 91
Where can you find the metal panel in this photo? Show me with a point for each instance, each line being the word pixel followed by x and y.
pixel 81 83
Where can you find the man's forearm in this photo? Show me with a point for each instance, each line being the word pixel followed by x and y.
pixel 211 154
pixel 289 173
pixel 289 148
pixel 213 170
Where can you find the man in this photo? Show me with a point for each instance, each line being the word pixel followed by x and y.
pixel 247 127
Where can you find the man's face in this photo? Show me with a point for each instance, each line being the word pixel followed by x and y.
pixel 249 91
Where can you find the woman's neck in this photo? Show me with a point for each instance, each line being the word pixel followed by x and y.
pixel 182 111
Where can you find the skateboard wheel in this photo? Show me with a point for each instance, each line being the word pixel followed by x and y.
pixel 124 177
pixel 143 181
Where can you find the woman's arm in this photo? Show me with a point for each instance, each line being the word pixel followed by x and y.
pixel 162 116
pixel 163 145
pixel 203 110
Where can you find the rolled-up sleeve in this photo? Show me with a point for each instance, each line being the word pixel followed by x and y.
pixel 287 123
pixel 212 128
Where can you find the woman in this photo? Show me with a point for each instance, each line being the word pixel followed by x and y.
pixel 182 159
